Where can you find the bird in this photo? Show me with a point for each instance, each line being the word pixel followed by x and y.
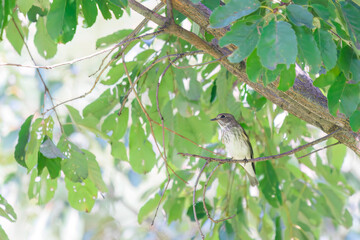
pixel 237 143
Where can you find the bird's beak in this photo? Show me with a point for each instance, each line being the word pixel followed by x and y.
pixel 214 119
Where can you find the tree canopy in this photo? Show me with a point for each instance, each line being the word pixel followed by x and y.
pixel 284 69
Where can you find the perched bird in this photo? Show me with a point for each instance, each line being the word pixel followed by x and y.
pixel 237 144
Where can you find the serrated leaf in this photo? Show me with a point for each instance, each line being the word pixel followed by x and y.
pixel 308 49
pixel 82 195
pixel 327 79
pixel 52 165
pixel 351 14
pixel 104 9
pixel 287 78
pixel 277 45
pixel 24 134
pixel 147 208
pixel 45 45
pixel 244 36
pixel 327 48
pixel 235 9
pixel 299 15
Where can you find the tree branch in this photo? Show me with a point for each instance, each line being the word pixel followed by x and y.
pixel 261 159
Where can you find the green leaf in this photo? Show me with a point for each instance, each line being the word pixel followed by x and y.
pixel 174 209
pixel 53 165
pixel 277 45
pixel 101 106
pixel 120 3
pixel 269 185
pixel 90 11
pixel 75 167
pixel 253 67
pixel 24 5
pixel 299 15
pixel 33 13
pixel 287 78
pixel 235 9
pixel 24 134
pixel 115 126
pixel 113 38
pixel 322 11
pixel 226 231
pixel 351 14
pixel 334 200
pixel 118 151
pixel 6 11
pixel 349 63
pixel 271 75
pixel 308 49
pixel 95 172
pixel 350 99
pixel 335 154
pixel 81 195
pixel 45 45
pixel 347 219
pixel 244 36
pixel 55 18
pixel 104 9
pixel 327 48
pixel 6 210
pixel 13 35
pixel 148 207
pixel 142 156
pixel 334 94
pixel 327 79
pixel 200 211
pixel 355 121
pixel 44 188
pixel 36 137
pixel 3 234
pixel 49 149
pixel 70 21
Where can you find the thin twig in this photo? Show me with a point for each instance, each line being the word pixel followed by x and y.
pixel 170 15
pixel 150 67
pixel 331 145
pixel 46 89
pixel 194 197
pixel 260 159
pixel 196 65
pixel 98 77
pixel 204 190
pixel 132 34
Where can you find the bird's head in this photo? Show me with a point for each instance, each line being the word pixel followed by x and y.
pixel 225 120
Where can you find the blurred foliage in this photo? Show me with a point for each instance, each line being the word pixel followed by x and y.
pixel 295 195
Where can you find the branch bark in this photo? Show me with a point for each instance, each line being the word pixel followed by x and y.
pixel 303 100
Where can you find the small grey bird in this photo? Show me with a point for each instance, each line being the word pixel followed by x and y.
pixel 237 144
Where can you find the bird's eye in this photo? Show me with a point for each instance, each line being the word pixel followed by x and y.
pixel 222 116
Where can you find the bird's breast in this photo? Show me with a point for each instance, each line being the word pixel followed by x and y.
pixel 236 146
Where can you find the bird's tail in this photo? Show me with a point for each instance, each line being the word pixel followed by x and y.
pixel 253 180
pixel 250 172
